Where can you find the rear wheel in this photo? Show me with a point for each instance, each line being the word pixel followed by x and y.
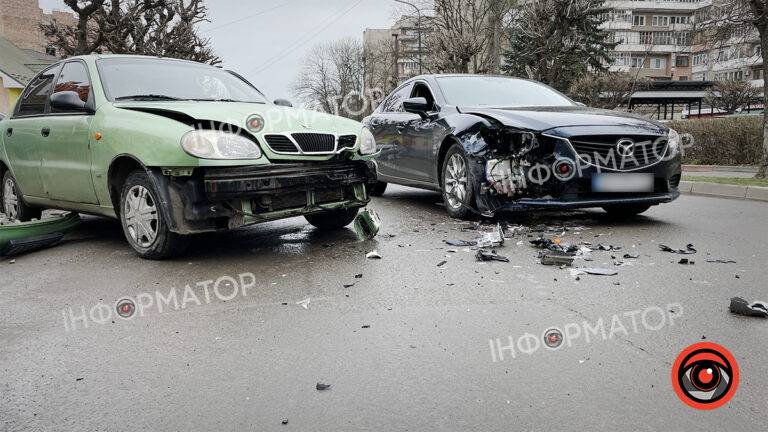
pixel 13 204
pixel 456 184
pixel 332 219
pixel 144 223
pixel 377 189
pixel 625 211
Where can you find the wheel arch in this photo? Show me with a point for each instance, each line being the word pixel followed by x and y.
pixel 119 169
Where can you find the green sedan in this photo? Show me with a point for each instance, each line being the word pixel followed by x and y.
pixel 173 148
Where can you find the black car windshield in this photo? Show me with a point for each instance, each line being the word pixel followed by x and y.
pixel 498 92
pixel 135 78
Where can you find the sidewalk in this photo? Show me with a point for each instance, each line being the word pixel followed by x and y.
pixel 757 193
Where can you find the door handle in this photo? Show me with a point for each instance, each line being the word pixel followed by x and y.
pixel 45 132
pixel 9 132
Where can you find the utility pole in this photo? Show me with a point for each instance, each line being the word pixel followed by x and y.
pixel 396 75
pixel 418 29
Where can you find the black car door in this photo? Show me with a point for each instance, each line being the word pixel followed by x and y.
pixel 388 125
pixel 422 136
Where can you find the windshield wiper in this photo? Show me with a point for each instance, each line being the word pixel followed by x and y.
pixel 148 97
pixel 223 100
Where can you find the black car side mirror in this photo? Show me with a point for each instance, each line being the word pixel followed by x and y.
pixel 68 101
pixel 283 102
pixel 416 105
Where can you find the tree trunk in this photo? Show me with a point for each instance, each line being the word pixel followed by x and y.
pixel 764 162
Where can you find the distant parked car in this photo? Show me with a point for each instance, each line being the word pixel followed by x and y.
pixel 492 144
pixel 173 148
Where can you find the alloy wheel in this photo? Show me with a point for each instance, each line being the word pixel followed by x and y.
pixel 141 217
pixel 10 199
pixel 455 181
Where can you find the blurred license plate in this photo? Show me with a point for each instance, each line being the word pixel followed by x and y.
pixel 634 182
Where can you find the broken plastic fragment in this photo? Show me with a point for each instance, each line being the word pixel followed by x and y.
pixel 321 386
pixel 484 255
pixel 631 256
pixel 494 238
pixel 373 255
pixel 689 249
pixel 593 271
pixel 367 224
pixel 686 261
pixel 755 309
pixel 460 243
pixel 608 248
pixel 442 263
pixel 721 261
pixel 553 259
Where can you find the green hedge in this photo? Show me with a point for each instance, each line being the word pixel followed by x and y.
pixel 723 141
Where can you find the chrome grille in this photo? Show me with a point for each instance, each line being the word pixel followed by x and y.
pixel 601 150
pixel 315 142
pixel 281 144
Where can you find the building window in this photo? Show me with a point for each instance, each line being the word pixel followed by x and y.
pixel 660 21
pixel 637 62
pixel 658 63
pixel 683 78
pixel 682 61
pixel 638 20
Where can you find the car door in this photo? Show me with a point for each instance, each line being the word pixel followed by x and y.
pixel 387 125
pixel 66 147
pixel 421 135
pixel 23 133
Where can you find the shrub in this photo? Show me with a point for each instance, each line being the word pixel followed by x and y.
pixel 723 141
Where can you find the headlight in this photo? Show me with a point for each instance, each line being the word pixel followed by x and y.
pixel 674 143
pixel 369 142
pixel 212 144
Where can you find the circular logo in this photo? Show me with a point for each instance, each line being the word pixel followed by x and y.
pixel 705 376
pixel 625 147
pixel 125 308
pixel 553 338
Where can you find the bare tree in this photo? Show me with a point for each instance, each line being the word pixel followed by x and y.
pixel 609 90
pixel 331 79
pixel 731 95
pixel 727 22
pixel 151 27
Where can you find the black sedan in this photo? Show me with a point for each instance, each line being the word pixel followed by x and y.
pixel 492 144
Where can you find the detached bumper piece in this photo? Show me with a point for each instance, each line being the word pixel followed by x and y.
pixel 544 203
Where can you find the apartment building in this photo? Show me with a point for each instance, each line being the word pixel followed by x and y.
pixel 403 38
pixel 20 24
pixel 654 37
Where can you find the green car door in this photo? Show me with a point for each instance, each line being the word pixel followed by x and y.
pixel 23 133
pixel 65 146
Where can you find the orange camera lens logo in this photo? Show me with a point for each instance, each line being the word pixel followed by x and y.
pixel 705 376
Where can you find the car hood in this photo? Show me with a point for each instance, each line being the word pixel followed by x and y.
pixel 276 118
pixel 545 118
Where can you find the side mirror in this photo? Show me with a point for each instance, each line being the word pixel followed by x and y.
pixel 283 102
pixel 68 101
pixel 417 105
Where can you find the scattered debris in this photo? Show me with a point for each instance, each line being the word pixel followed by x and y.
pixel 689 249
pixel 721 261
pixel 608 248
pixel 359 276
pixel 366 326
pixel 460 243
pixel 442 263
pixel 18 238
pixel 373 255
pixel 285 421
pixel 484 255
pixel 755 309
pixel 556 245
pixel 322 387
pixel 686 261
pixel 304 303
pixel 367 224
pixel 631 256
pixel 593 271
pixel 349 285
pixel 554 259
pixel 494 238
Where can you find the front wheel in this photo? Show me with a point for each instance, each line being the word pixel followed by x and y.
pixel 456 183
pixel 144 222
pixel 625 211
pixel 13 204
pixel 332 219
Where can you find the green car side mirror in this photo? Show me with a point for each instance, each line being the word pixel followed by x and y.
pixel 283 102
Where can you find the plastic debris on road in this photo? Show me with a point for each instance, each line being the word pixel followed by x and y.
pixel 484 255
pixel 373 255
pixel 740 306
pixel 554 259
pixel 593 271
pixel 17 238
pixel 460 243
pixel 689 249
pixel 555 245
pixel 322 387
pixel 493 238
pixel 367 224
pixel 721 261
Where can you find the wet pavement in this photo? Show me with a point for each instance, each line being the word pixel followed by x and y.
pixel 409 345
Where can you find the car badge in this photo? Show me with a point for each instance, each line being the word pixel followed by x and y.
pixel 625 147
pixel 305 125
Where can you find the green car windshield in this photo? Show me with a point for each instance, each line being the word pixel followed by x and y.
pixel 136 78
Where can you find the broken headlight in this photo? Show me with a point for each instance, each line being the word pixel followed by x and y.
pixel 213 144
pixel 519 142
pixel 369 142
pixel 674 143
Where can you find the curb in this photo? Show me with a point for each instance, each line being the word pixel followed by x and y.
pixel 752 193
pixel 720 168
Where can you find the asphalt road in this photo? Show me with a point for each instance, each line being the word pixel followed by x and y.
pixel 410 346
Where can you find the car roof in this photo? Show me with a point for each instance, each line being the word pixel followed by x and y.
pixel 105 56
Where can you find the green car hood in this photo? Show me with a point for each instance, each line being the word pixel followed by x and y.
pixel 276 118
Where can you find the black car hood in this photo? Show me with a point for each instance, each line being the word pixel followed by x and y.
pixel 545 118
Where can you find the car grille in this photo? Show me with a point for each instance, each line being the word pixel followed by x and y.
pixel 315 142
pixel 601 150
pixel 281 144
pixel 347 141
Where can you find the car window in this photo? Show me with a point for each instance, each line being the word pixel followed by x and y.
pixel 35 97
pixel 499 92
pixel 394 102
pixel 422 90
pixel 73 77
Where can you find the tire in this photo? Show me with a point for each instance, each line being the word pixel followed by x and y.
pixel 458 200
pixel 377 189
pixel 12 203
pixel 332 219
pixel 147 232
pixel 625 211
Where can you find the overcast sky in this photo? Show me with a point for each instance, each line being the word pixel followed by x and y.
pixel 265 40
